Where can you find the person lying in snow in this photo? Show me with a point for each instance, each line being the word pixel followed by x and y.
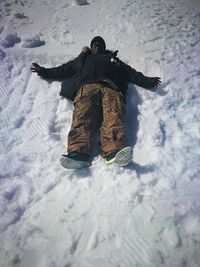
pixel 97 82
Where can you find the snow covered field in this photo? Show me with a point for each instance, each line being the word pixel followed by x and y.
pixel 144 215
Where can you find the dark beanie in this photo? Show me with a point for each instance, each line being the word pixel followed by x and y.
pixel 99 39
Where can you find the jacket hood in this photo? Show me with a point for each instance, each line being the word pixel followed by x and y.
pixel 112 54
pixel 98 39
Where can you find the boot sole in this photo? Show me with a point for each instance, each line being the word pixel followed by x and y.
pixel 69 163
pixel 123 157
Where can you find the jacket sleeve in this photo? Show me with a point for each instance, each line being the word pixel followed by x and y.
pixel 137 78
pixel 64 71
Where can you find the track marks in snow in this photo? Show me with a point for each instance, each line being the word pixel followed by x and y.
pixel 16 93
pixel 95 227
pixel 88 239
pixel 65 37
pixel 14 200
pixel 106 227
pixel 20 110
pixel 133 249
pixel 25 121
pixel 13 116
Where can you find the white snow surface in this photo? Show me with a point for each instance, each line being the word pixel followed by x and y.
pixel 144 215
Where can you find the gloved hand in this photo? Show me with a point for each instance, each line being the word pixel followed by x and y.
pixel 156 81
pixel 36 68
pixel 114 54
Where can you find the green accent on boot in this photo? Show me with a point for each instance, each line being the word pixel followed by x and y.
pixel 122 157
pixel 110 160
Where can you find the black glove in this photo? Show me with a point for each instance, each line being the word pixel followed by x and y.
pixel 156 81
pixel 36 68
pixel 114 54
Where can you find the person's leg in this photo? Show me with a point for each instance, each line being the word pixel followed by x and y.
pixel 85 120
pixel 113 128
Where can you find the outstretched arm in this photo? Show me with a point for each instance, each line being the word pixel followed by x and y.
pixel 62 72
pixel 140 79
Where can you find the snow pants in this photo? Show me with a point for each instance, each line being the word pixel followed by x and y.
pixel 97 107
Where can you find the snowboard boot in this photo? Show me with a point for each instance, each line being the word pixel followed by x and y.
pixel 123 157
pixel 75 160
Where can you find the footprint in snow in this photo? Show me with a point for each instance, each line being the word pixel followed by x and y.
pixel 1 29
pixel 16 260
pixel 33 42
pixel 2 55
pixel 10 40
pixel 20 16
pixel 81 2
pixel 19 122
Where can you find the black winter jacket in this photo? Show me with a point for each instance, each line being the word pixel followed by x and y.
pixel 89 68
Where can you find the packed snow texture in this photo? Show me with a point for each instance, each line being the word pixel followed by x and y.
pixel 144 215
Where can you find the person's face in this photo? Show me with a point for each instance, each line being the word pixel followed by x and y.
pixel 97 47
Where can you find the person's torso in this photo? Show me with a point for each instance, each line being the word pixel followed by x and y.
pixel 98 67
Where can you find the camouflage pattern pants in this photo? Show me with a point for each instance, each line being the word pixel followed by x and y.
pixel 97 107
